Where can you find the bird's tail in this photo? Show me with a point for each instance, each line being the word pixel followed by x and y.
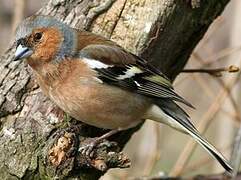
pixel 170 113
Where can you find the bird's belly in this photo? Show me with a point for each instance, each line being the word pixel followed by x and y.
pixel 100 105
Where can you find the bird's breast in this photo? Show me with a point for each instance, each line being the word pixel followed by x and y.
pixel 98 104
pixel 78 92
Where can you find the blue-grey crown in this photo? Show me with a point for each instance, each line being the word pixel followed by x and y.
pixel 68 46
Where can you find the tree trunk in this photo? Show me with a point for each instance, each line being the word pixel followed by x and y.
pixel 38 141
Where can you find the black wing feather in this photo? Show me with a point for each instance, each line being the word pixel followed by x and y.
pixel 145 78
pixel 139 83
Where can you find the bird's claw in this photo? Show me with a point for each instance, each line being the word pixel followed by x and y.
pixel 87 149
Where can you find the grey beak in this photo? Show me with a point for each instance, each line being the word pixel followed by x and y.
pixel 22 52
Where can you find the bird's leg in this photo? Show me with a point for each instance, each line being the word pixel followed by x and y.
pixel 88 147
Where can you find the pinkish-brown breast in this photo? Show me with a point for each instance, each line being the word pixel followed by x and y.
pixel 85 98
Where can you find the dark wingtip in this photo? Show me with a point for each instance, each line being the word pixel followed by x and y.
pixel 190 105
pixel 186 103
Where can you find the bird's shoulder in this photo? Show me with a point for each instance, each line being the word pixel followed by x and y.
pixel 99 48
pixel 108 57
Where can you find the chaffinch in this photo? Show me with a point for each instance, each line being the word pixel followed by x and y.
pixel 96 81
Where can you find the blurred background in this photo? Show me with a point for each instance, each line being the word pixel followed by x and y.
pixel 157 149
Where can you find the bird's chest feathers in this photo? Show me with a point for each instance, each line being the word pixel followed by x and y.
pixel 78 92
pixel 68 84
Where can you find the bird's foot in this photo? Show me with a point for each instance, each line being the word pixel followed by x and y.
pixel 87 147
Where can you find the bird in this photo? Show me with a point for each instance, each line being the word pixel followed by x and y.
pixel 96 81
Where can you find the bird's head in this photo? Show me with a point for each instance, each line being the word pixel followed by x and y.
pixel 43 39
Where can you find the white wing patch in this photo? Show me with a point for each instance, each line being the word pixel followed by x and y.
pixel 138 84
pixel 132 71
pixel 95 64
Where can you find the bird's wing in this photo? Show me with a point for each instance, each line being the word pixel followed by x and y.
pixel 120 68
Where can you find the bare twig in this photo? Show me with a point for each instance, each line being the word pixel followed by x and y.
pixel 209 92
pixel 214 72
pixel 213 59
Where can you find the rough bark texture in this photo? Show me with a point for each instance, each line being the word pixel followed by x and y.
pixel 37 140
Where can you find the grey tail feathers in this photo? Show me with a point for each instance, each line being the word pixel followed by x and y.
pixel 176 113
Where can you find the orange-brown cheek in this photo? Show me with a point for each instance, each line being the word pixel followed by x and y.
pixel 47 49
pixel 46 53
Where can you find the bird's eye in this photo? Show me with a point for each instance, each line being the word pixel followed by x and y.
pixel 37 36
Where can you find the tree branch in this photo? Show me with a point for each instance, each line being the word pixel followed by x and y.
pixel 213 72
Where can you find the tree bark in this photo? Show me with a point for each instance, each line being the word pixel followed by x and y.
pixel 38 141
